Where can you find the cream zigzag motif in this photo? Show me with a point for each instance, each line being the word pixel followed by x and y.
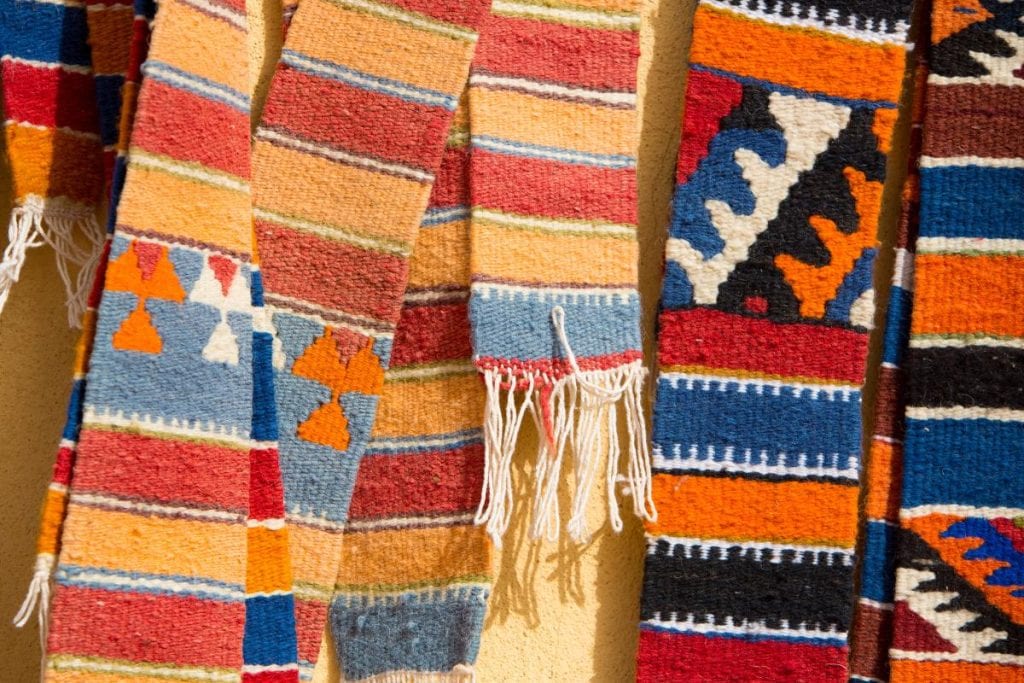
pixel 1001 70
pixel 809 126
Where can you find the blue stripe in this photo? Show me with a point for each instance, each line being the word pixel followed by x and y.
pixel 269 630
pixel 569 156
pixel 967 462
pixel 418 632
pixel 368 82
pixel 441 216
pixel 733 414
pixel 414 444
pixel 796 92
pixel 996 214
pixel 754 638
pixel 165 73
pixel 70 575
pixel 897 326
pixel 44 32
pixel 73 420
pixel 520 327
pixel 264 413
pixel 878 563
pixel 108 101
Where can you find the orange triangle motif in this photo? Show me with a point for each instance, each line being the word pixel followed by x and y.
pixel 953 16
pixel 144 270
pixel 327 425
pixel 137 333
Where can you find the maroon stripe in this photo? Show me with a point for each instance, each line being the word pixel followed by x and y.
pixel 362 122
pixel 140 627
pixel 872 631
pixel 162 470
pixel 974 120
pixel 393 485
pixel 331 274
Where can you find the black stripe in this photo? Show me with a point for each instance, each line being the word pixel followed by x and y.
pixel 983 376
pixel 849 13
pixel 745 584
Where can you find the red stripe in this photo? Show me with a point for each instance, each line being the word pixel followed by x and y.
pixel 162 470
pixel 558 367
pixel 310 617
pixel 49 97
pixel 451 187
pixel 421 483
pixel 460 12
pixel 271 677
pixel 146 628
pixel 332 274
pixel 720 340
pixel 222 142
pixel 62 468
pixel 361 122
pixel 266 492
pixel 572 55
pixel 537 187
pixel 665 657
pixel 427 334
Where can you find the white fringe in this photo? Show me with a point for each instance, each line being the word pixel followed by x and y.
pixel 460 674
pixel 54 222
pixel 38 596
pixel 582 411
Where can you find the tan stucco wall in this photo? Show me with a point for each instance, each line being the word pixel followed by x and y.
pixel 558 613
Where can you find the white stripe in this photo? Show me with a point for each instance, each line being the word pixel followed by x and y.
pixel 260 668
pixel 355 326
pixel 176 78
pixel 133 583
pixel 695 463
pixel 886 606
pixel 53 66
pixel 703 545
pixel 422 442
pixel 200 173
pixel 428 296
pixel 592 295
pixel 112 6
pixel 848 31
pixel 629 21
pixel 333 232
pixel 976 657
pixel 105 417
pixel 903 270
pixel 524 149
pixel 344 157
pixel 404 522
pixel 741 627
pixel 63 129
pixel 315 522
pixel 208 514
pixel 236 18
pixel 428 371
pixel 554 225
pixel 177 673
pixel 963 341
pixel 272 524
pixel 843 392
pixel 965 413
pixel 61 3
pixel 958 245
pixel 990 162
pixel 412 19
pixel 557 90
pixel 960 511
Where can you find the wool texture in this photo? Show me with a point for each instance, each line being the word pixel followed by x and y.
pixel 555 330
pixel 872 630
pixel 59 112
pixel 766 306
pixel 959 594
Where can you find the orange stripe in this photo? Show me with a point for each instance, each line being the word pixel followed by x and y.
pixel 386 558
pixel 268 568
pixel 908 670
pixel 883 500
pixel 955 294
pixel 810 60
pixel 53 515
pixel 746 510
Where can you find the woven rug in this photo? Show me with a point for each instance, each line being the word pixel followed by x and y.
pixel 959 603
pixel 766 308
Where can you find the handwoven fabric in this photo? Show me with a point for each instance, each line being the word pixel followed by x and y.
pixel 55 503
pixel 763 332
pixel 959 603
pixel 55 134
pixel 872 630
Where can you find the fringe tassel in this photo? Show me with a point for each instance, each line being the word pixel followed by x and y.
pixel 37 599
pixel 579 414
pixel 37 222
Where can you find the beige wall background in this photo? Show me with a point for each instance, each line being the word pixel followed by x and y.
pixel 558 612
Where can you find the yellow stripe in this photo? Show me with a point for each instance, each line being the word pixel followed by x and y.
pixel 439 406
pixel 201 44
pixel 384 557
pixel 441 256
